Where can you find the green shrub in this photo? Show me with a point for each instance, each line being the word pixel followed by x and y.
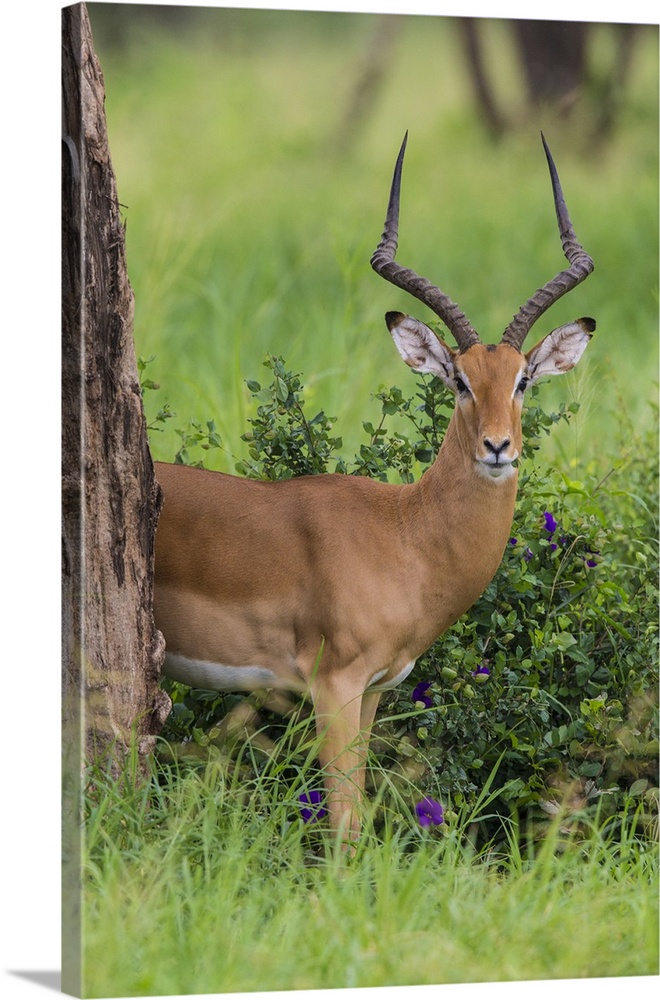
pixel 548 682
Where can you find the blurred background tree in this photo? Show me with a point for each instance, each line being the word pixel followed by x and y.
pixel 556 69
pixel 555 60
pixel 253 152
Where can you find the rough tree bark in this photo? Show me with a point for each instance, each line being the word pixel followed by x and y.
pixel 112 705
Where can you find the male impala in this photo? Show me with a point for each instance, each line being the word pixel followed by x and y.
pixel 336 584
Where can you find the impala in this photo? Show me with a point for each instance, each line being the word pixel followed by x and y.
pixel 334 585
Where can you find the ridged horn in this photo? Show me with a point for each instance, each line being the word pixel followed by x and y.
pixel 384 264
pixel 581 265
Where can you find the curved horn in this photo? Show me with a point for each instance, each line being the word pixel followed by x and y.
pixel 384 264
pixel 581 266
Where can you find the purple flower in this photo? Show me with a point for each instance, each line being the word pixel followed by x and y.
pixel 419 694
pixel 550 523
pixel 513 541
pixel 429 812
pixel 528 554
pixel 481 673
pixel 590 562
pixel 314 800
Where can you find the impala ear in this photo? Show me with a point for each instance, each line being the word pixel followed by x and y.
pixel 420 347
pixel 560 350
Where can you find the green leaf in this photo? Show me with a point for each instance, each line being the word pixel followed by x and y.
pixel 281 389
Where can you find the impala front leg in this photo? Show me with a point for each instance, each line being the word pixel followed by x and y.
pixel 343 719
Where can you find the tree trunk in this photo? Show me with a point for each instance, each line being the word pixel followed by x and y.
pixel 112 705
pixel 470 31
pixel 553 58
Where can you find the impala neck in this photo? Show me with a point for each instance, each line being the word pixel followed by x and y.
pixel 463 510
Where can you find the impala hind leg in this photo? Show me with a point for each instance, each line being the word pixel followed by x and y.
pixel 343 722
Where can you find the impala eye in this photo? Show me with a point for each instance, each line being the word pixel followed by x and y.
pixel 460 384
pixel 522 385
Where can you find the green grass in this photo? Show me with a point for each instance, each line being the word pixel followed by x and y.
pixel 199 884
pixel 250 225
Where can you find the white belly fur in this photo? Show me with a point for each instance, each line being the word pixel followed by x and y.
pixel 373 684
pixel 220 677
pixel 217 676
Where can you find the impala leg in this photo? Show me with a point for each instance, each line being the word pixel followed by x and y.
pixel 370 700
pixel 343 752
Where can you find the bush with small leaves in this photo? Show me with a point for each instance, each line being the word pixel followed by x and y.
pixel 549 681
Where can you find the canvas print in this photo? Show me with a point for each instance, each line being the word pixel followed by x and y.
pixel 359 421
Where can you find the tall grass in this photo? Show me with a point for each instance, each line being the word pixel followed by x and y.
pixel 250 224
pixel 197 884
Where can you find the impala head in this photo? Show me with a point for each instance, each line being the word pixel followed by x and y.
pixel 488 380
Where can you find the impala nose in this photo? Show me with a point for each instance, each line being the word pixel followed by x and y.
pixel 496 448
